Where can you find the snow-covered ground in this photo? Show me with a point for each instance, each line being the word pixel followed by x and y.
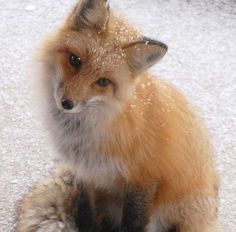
pixel 201 61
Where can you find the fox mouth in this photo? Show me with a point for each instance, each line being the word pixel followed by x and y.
pixel 66 105
pixel 69 106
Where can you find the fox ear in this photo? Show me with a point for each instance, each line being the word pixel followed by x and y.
pixel 142 54
pixel 91 13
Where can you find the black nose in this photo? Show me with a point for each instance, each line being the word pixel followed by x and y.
pixel 67 104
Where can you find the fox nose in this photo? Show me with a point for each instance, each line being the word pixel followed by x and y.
pixel 67 104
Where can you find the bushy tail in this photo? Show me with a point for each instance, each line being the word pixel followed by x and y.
pixel 49 206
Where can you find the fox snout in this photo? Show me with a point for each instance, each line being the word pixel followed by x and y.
pixel 63 102
pixel 67 104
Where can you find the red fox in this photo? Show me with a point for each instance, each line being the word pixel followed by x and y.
pixel 136 146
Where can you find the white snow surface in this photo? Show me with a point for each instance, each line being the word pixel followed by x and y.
pixel 201 61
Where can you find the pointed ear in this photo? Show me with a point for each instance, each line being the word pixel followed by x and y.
pixel 142 54
pixel 91 13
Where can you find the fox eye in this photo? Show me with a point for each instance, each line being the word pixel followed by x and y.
pixel 75 61
pixel 103 82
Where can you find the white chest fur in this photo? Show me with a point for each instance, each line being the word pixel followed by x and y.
pixel 78 140
pixel 102 172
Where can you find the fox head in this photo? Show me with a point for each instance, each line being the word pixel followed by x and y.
pixel 95 58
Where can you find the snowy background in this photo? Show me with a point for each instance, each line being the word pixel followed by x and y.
pixel 201 61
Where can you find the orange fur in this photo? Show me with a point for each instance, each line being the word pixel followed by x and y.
pixel 153 132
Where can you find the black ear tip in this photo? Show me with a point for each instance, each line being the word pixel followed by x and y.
pixel 163 46
pixel 154 42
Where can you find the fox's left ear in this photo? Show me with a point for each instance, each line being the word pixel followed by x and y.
pixel 144 53
pixel 90 13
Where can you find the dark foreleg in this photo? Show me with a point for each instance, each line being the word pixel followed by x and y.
pixel 85 211
pixel 136 209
